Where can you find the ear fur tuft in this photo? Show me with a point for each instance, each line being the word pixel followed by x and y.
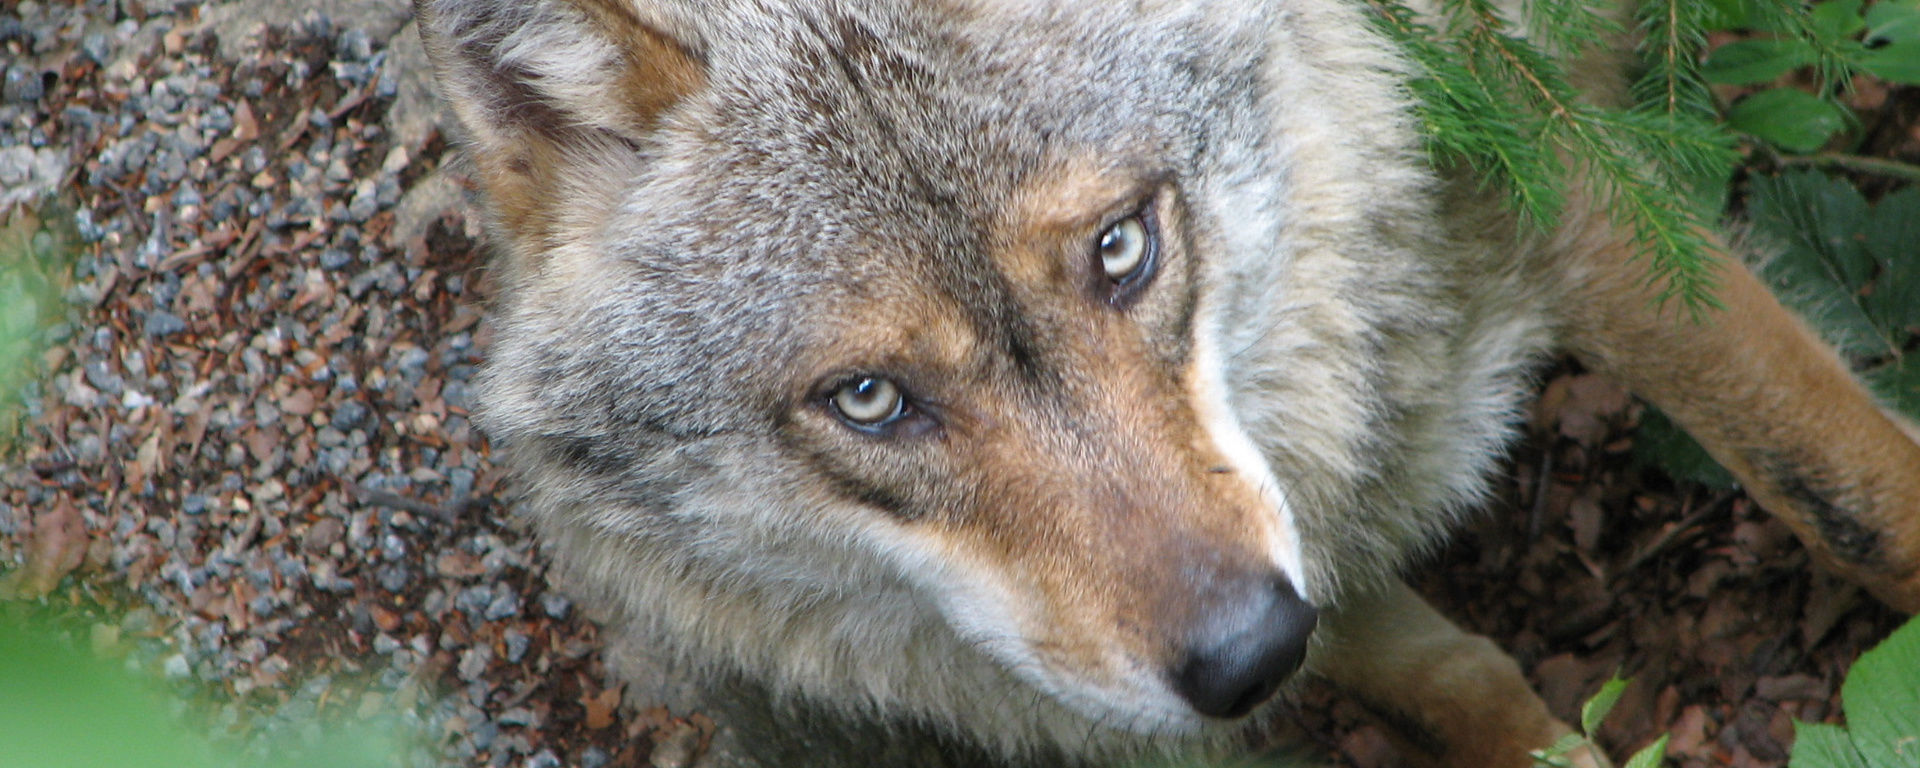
pixel 557 64
pixel 541 86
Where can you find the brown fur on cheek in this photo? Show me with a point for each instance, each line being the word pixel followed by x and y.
pixel 515 181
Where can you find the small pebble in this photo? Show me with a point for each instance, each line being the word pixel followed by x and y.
pixel 555 605
pixel 506 605
pixel 161 323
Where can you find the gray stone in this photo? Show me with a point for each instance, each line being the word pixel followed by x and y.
pixel 348 415
pixel 21 85
pixel 97 48
pixel 504 606
pixel 161 323
pixel 555 605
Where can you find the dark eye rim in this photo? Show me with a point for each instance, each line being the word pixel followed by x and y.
pixel 911 417
pixel 1121 294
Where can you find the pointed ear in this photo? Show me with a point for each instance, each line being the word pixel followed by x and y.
pixel 555 93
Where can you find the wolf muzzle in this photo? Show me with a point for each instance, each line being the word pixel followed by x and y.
pixel 1244 646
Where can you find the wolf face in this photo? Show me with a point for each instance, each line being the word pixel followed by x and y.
pixel 919 358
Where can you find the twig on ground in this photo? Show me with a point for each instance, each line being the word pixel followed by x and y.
pixel 448 511
pixel 1674 535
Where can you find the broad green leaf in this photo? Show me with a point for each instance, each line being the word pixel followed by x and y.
pixel 1817 745
pixel 1662 443
pixel 59 703
pixel 1595 710
pixel 1762 15
pixel 1555 756
pixel 1897 62
pixel 1898 383
pixel 1837 20
pixel 1822 263
pixel 1756 61
pixel 1731 14
pixel 1894 21
pixel 1651 756
pixel 1893 240
pixel 63 708
pixel 1881 698
pixel 1789 119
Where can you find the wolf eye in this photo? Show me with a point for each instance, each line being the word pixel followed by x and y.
pixel 869 402
pixel 1124 248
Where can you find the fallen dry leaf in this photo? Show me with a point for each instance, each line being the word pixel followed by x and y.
pixel 600 707
pixel 58 546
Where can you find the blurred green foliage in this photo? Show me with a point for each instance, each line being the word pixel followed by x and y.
pixel 63 707
pixel 36 265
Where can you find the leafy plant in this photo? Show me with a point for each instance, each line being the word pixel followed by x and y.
pixel 1593 713
pixel 1852 269
pixel 57 707
pixel 1661 443
pixel 1881 700
pixel 34 265
pixel 1494 99
pixel 60 706
pixel 1836 39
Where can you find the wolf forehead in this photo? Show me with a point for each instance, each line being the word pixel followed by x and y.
pixel 847 122
pixel 851 152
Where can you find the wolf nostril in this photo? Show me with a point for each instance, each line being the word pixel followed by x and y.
pixel 1241 653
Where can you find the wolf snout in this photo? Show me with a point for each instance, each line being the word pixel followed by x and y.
pixel 1243 648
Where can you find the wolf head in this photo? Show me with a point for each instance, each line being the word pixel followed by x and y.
pixel 1035 370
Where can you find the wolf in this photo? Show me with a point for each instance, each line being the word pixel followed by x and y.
pixel 1053 382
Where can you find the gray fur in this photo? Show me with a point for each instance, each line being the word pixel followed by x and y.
pixel 643 365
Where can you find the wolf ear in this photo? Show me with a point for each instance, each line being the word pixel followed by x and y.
pixel 545 88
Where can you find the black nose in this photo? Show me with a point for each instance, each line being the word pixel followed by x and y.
pixel 1243 649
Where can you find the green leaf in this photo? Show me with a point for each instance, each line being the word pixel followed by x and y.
pixel 63 708
pixel 1898 383
pixel 1789 119
pixel 1894 21
pixel 1893 240
pixel 1837 20
pixel 1881 698
pixel 1823 264
pixel 1556 753
pixel 1662 443
pixel 1651 756
pixel 60 702
pixel 1756 61
pixel 1731 14
pixel 1897 62
pixel 1817 745
pixel 1595 710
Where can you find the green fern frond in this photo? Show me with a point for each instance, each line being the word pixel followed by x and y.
pixel 1797 19
pixel 1673 32
pixel 1496 102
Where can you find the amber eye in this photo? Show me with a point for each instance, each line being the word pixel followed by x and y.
pixel 869 402
pixel 1124 248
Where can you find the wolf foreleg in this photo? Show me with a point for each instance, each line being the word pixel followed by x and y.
pixel 1452 699
pixel 1769 400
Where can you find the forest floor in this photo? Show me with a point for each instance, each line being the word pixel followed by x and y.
pixel 244 463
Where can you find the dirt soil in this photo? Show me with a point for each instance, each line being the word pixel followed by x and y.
pixel 244 464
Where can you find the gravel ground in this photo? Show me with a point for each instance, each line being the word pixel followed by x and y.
pixel 248 452
pixel 245 465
